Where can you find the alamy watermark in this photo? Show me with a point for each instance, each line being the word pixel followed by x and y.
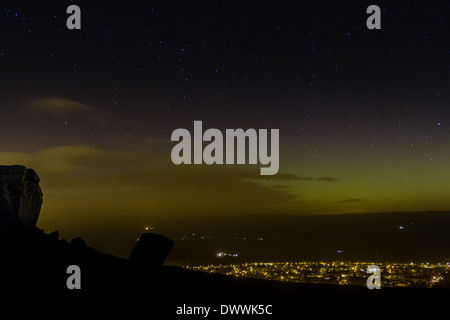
pixel 374 281
pixel 235 147
pixel 374 20
pixel 74 280
pixel 74 20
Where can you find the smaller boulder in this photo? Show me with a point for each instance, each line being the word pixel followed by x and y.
pixel 151 250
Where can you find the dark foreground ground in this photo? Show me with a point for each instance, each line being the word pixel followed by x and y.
pixel 34 264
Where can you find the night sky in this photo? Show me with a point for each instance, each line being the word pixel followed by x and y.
pixel 364 115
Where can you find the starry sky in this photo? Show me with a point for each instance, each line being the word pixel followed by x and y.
pixel 364 115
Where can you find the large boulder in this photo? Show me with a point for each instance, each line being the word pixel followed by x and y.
pixel 20 195
pixel 151 250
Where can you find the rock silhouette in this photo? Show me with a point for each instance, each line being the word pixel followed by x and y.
pixel 151 250
pixel 20 195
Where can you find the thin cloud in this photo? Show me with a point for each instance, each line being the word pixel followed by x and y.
pixel 58 160
pixel 61 106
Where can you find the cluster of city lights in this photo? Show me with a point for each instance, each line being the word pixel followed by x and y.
pixel 425 275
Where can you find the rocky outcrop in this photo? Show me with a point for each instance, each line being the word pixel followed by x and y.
pixel 151 250
pixel 20 195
